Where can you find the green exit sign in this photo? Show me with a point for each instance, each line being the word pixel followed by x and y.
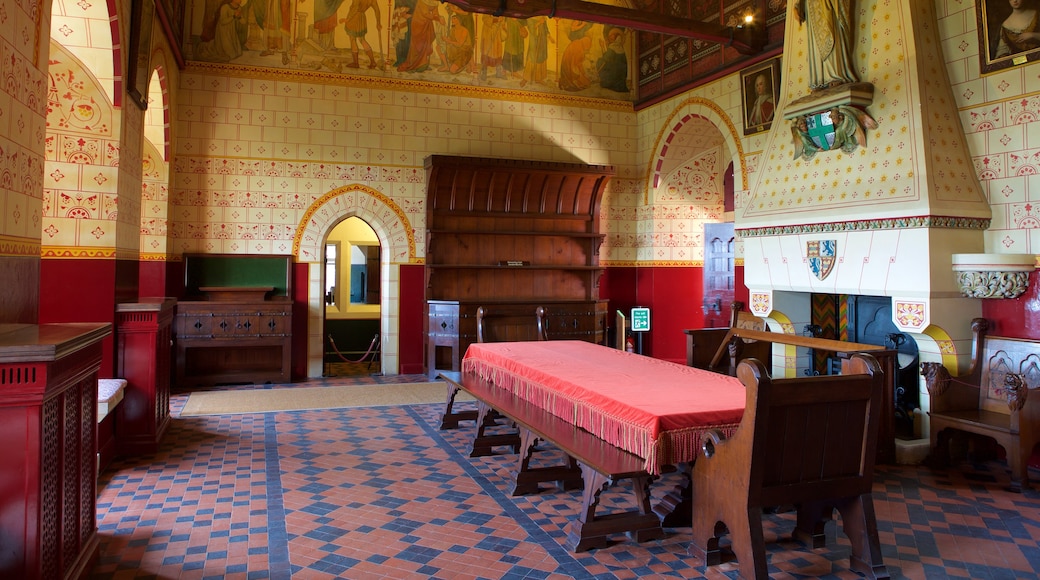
pixel 640 319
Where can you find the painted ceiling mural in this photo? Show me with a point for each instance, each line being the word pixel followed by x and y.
pixel 423 40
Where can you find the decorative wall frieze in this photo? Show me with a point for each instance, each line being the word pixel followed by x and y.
pixel 938 222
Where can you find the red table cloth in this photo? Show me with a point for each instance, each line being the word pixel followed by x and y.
pixel 652 408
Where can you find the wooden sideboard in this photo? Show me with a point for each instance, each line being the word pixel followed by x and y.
pixel 48 472
pixel 453 324
pixel 233 340
pixel 511 234
pixel 144 333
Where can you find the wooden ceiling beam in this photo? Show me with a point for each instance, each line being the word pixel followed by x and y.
pixel 745 39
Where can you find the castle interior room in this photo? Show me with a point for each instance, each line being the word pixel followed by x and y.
pixel 218 216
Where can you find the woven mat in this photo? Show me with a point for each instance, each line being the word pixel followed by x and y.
pixel 234 402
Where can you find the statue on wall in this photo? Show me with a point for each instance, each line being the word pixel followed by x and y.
pixel 833 115
pixel 829 26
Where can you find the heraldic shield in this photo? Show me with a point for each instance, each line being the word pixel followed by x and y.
pixel 822 255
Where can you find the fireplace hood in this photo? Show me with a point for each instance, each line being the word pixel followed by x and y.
pixel 886 218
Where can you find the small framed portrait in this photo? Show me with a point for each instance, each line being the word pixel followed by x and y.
pixel 760 89
pixel 1009 33
pixel 142 15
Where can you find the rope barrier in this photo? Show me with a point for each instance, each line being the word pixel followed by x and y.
pixel 373 346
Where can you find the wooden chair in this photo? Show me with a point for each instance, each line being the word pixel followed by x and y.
pixel 706 348
pixel 508 325
pixel 993 399
pixel 807 442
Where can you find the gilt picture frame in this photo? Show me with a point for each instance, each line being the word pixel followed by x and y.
pixel 760 91
pixel 142 17
pixel 1005 38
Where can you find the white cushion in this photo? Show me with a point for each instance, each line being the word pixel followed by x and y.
pixel 110 392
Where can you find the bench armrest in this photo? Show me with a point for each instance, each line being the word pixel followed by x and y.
pixel 710 440
pixel 1026 419
pixel 949 393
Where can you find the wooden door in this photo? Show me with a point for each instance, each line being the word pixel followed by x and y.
pixel 718 274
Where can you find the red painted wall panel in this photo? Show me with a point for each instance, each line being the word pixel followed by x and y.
pixel 412 313
pixel 1017 317
pixel 674 297
pixel 151 281
pixel 81 291
pixel 299 324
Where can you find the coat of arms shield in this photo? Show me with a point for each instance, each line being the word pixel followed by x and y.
pixel 822 255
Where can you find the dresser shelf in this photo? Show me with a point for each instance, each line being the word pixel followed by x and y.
pixel 483 215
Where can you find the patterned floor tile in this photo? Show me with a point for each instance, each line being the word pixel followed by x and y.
pixel 383 493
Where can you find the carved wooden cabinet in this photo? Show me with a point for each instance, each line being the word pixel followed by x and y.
pixel 511 234
pixel 233 341
pixel 144 333
pixel 453 325
pixel 48 470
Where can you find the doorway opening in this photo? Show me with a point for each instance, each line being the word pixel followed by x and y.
pixel 352 290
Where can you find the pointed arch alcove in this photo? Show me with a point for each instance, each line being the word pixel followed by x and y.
pixel 396 237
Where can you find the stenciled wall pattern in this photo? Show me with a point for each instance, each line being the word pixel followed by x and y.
pixel 421 40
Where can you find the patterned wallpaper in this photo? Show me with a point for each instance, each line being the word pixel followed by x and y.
pixel 23 64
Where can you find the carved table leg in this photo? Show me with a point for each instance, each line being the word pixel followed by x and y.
pixel 590 531
pixel 451 419
pixel 676 507
pixel 484 444
pixel 528 478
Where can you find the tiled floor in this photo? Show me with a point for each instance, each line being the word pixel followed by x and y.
pixel 383 493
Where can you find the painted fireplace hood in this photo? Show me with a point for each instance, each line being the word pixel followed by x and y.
pixel 885 219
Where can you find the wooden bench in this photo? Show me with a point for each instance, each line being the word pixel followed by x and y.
pixel 502 323
pixel 110 394
pixel 997 398
pixel 807 442
pixel 591 461
pixel 843 350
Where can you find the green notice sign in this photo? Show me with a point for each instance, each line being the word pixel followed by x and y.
pixel 640 319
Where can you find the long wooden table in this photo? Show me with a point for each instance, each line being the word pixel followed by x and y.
pixel 654 409
pixel 617 415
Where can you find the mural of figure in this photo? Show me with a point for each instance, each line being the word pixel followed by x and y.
pixel 762 109
pixel 325 15
pixel 459 42
pixel 223 42
pixel 829 26
pixel 400 33
pixel 538 39
pixel 421 36
pixel 513 51
pixel 277 22
pixel 492 45
pixel 613 65
pixel 572 62
pixel 356 27
pixel 1020 31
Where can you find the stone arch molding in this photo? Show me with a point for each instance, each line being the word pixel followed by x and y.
pixel 397 240
pixel 387 219
pixel 688 110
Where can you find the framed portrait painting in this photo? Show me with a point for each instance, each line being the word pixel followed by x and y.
pixel 1009 33
pixel 760 91
pixel 142 15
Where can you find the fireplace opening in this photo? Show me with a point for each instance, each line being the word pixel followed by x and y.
pixel 868 320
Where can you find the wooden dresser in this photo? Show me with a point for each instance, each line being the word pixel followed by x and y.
pixel 511 235
pixel 237 336
pixel 48 470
